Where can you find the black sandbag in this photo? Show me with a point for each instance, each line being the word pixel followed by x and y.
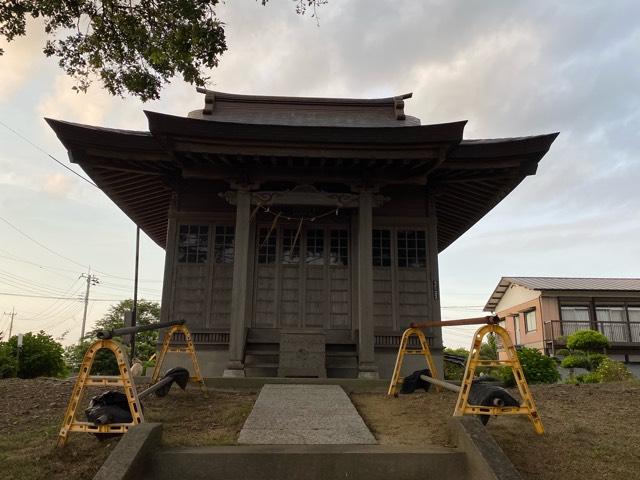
pixel 413 382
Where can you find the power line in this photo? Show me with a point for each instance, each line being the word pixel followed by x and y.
pixel 40 244
pixel 37 147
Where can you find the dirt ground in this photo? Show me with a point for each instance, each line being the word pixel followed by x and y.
pixel 417 419
pixel 31 412
pixel 592 431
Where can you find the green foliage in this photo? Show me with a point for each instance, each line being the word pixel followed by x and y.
pixel 461 352
pixel 105 362
pixel 8 362
pixel 587 341
pixel 537 368
pixel 612 371
pixel 451 370
pixel 489 350
pixel 581 360
pixel 133 47
pixel 575 361
pixel 40 356
pixel 587 378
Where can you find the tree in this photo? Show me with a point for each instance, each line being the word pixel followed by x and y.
pixel 584 348
pixel 132 46
pixel 40 356
pixel 105 363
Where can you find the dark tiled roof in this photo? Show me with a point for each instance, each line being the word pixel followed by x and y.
pixel 307 111
pixel 562 283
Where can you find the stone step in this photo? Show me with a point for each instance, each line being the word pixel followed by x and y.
pixel 309 462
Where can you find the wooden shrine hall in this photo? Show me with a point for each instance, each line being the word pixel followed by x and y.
pixel 301 234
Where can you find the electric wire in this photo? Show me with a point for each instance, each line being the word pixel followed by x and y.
pixel 40 149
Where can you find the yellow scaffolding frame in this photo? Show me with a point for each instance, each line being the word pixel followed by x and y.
pixel 84 379
pixel 527 406
pixel 403 350
pixel 166 347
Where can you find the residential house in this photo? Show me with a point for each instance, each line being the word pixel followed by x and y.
pixel 540 312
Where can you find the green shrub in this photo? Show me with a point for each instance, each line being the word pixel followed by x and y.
pixel 537 368
pixel 104 364
pixel 563 352
pixel 587 378
pixel 8 363
pixel 612 371
pixel 40 356
pixel 587 341
pixel 575 361
pixel 588 361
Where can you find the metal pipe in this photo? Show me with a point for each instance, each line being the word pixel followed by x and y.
pixel 488 320
pixel 154 387
pixel 117 332
pixel 441 383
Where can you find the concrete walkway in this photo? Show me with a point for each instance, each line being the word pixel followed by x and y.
pixel 303 415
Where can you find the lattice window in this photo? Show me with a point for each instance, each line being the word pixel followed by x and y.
pixel 224 244
pixel 412 248
pixel 382 248
pixel 267 242
pixel 291 252
pixel 193 243
pixel 339 249
pixel 315 247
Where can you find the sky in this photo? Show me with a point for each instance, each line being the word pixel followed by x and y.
pixel 511 68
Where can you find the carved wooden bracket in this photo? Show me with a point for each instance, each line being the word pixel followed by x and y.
pixel 305 195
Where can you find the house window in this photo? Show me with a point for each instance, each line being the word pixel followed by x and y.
pixel 291 252
pixel 516 328
pixel 576 314
pixel 267 241
pixel 530 321
pixel 381 248
pixel 315 247
pixel 193 243
pixel 339 248
pixel 610 314
pixel 612 323
pixel 224 244
pixel 412 248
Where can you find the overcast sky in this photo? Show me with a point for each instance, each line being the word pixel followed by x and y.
pixel 510 68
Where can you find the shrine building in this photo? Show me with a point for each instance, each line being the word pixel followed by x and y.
pixel 301 234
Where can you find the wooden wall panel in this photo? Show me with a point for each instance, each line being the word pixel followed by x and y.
pixel 191 294
pixel 265 304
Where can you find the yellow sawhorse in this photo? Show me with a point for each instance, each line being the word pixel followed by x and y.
pixel 166 347
pixel 527 405
pixel 405 350
pixel 84 379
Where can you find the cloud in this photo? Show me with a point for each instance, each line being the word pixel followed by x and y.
pixel 16 64
pixel 65 103
pixel 58 185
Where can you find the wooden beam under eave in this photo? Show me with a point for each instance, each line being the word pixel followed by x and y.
pixel 289 175
pixel 381 152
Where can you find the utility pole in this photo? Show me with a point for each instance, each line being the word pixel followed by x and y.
pixel 12 314
pixel 91 280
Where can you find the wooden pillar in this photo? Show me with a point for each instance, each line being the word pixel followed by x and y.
pixel 235 365
pixel 434 276
pixel 168 283
pixel 367 367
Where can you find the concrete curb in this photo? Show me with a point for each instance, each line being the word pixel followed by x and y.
pixel 485 459
pixel 131 456
pixel 350 385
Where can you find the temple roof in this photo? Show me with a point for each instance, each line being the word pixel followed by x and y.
pixel 140 171
pixel 308 111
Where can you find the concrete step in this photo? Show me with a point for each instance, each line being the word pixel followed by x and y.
pixel 309 462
